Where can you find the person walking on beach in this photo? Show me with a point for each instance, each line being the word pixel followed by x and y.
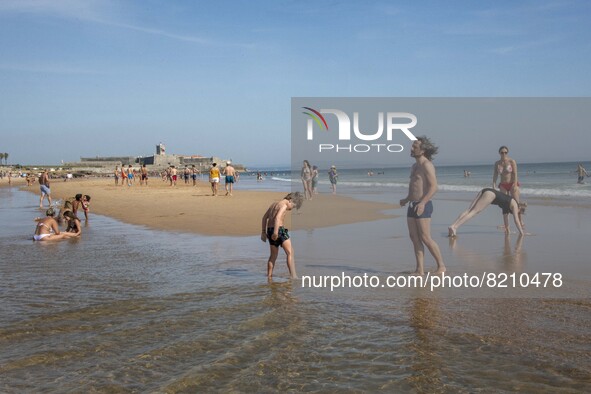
pixel 506 169
pixel 186 174
pixel 333 177
pixel 129 175
pixel 116 175
pixel 214 178
pixel 306 175
pixel 315 179
pixel 194 173
pixel 486 197
pixel 44 188
pixel 272 229
pixel 230 174
pixel 422 187
pixel 144 175
pixel 582 173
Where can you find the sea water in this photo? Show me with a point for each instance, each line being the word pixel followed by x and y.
pixel 125 308
pixel 556 181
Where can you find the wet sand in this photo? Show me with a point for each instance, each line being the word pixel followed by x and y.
pixel 186 208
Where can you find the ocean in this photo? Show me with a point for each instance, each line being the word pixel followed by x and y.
pixel 129 309
pixel 547 181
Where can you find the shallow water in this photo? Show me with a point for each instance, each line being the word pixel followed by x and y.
pixel 127 309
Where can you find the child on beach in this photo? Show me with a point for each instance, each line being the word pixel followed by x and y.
pixel 273 230
pixel 76 203
pixel 86 205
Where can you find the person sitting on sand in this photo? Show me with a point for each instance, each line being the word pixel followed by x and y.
pixel 74 227
pixel 486 197
pixel 47 228
pixel 273 230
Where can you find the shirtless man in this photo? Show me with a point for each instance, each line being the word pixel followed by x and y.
pixel 44 187
pixel 230 174
pixel 173 175
pixel 144 175
pixel 422 187
pixel 194 172
pixel 273 230
pixel 186 174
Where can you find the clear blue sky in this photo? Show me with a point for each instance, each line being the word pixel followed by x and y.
pixel 90 77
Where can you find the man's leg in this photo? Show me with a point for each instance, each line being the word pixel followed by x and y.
pixel 418 245
pixel 41 200
pixel 424 231
pixel 290 258
pixel 274 250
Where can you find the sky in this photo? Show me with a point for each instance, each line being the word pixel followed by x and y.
pixel 114 78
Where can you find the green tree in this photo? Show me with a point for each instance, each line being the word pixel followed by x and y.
pixel 1 157
pixel 6 158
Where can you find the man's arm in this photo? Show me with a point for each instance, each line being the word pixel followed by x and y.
pixel 277 222
pixel 264 225
pixel 430 183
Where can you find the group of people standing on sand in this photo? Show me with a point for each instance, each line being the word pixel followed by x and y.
pixel 309 175
pixel 215 175
pixel 128 175
pixel 422 187
pixel 47 228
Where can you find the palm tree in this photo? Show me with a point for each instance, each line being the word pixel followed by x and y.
pixel 1 157
pixel 6 158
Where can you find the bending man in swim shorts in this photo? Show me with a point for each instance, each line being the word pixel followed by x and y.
pixel 486 197
pixel 273 230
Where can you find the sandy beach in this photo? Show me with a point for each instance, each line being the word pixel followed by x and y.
pixel 186 208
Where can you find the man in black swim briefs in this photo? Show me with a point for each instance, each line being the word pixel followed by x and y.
pixel 421 188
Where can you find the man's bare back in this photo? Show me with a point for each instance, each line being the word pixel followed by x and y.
pixel 276 214
pixel 229 171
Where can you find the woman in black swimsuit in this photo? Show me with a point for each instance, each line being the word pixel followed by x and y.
pixel 485 198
